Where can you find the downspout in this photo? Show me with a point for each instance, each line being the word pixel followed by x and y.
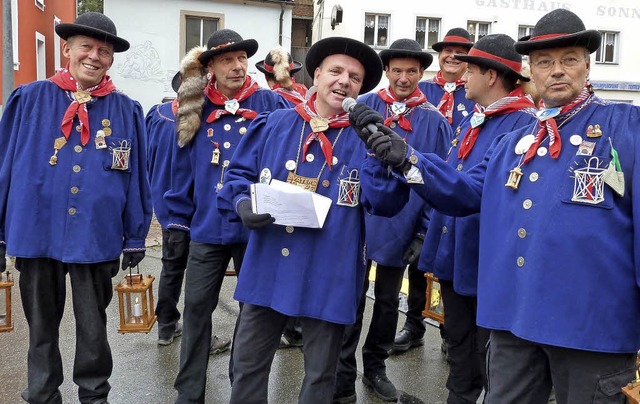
pixel 281 23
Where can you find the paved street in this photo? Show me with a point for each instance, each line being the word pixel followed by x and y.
pixel 144 372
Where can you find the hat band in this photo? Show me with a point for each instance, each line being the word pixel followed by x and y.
pixel 221 45
pixel 548 36
pixel 454 38
pixel 515 66
pixel 269 68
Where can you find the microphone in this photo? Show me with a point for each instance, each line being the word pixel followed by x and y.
pixel 348 104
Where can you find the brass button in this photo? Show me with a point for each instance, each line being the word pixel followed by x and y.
pixel 533 177
pixel 76 168
pixel 289 229
pixel 106 122
pixel 413 159
pixel 242 130
pixel 444 229
pixel 527 204
pixel 326 183
pixel 79 128
pixel 285 252
pixel 72 211
pixel 74 190
pixel 107 131
pixel 459 168
pixel 522 233
pixel 77 148
pixel 392 125
pixel 520 262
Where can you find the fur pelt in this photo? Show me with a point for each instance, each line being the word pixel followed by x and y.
pixel 280 59
pixel 191 96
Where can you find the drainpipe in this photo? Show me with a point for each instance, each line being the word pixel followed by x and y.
pixel 281 23
pixel 7 52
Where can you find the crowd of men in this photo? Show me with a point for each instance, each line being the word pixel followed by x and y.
pixel 524 212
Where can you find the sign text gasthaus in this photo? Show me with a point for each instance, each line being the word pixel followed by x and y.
pixel 527 5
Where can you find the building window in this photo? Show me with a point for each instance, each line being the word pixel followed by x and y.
pixel 57 47
pixel 376 29
pixel 41 57
pixel 40 4
pixel 197 28
pixel 607 51
pixel 524 30
pixel 427 31
pixel 478 29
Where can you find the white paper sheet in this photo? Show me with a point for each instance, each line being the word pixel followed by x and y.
pixel 290 204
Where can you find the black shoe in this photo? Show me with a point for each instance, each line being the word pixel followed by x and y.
pixel 166 339
pixel 344 397
pixel 382 386
pixel 287 341
pixel 406 340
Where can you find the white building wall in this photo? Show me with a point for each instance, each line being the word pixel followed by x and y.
pixel 152 27
pixel 505 16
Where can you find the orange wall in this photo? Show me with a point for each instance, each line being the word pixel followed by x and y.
pixel 31 19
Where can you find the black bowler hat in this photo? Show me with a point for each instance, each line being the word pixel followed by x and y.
pixel 455 37
pixel 227 40
pixel 267 65
pixel 350 47
pixel 495 52
pixel 559 29
pixel 406 48
pixel 94 25
pixel 176 81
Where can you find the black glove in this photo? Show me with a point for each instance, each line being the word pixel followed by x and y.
pixel 3 258
pixel 387 145
pixel 131 259
pixel 178 242
pixel 360 116
pixel 253 220
pixel 413 251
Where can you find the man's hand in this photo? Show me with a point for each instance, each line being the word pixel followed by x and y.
pixel 413 251
pixel 387 145
pixel 253 220
pixel 131 259
pixel 362 115
pixel 3 258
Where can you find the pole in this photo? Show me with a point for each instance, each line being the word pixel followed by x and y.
pixel 7 51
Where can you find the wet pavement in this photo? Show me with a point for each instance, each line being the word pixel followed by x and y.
pixel 144 371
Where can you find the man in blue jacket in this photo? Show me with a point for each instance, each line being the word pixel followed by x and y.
pixel 73 197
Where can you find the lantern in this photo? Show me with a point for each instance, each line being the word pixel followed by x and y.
pixel 135 300
pixel 6 283
pixel 434 308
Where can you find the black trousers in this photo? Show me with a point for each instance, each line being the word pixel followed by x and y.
pixel 206 267
pixel 174 263
pixel 522 371
pixel 256 343
pixel 466 346
pixel 43 293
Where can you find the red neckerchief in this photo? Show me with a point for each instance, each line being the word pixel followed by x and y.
pixel 446 103
pixel 512 102
pixel 217 98
pixel 296 94
pixel 65 81
pixel 174 106
pixel 389 97
pixel 307 111
pixel 550 126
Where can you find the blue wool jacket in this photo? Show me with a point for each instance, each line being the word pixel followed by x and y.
pixel 462 107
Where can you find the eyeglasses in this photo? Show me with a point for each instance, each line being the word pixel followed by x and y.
pixel 569 62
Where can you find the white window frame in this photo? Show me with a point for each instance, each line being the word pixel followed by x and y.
pixel 600 54
pixel 14 32
pixel 473 27
pixel 57 47
pixel 41 56
pixel 528 29
pixel 428 21
pixel 40 4
pixel 184 14
pixel 376 26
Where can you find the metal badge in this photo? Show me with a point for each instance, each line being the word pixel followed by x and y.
pixel 310 184
pixel 514 178
pixel 231 106
pixel 477 119
pixel 547 113
pixel 349 192
pixel 210 132
pixel 398 107
pixel 318 124
pixel 121 154
pixel 594 131
pixel 100 141
pixel 265 176
pixel 586 148
pixel 450 87
pixel 524 144
pixel 589 183
pixel 215 157
pixel 575 140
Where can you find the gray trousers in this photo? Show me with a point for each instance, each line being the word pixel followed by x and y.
pixel 43 293
pixel 257 340
pixel 521 371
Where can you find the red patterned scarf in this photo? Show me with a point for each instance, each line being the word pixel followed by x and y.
pixel 389 97
pixel 550 126
pixel 512 102
pixel 446 103
pixel 307 111
pixel 65 81
pixel 217 98
pixel 296 94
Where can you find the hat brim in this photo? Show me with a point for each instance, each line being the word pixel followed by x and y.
pixel 350 47
pixel 589 39
pixel 491 64
pixel 425 58
pixel 248 45
pixel 176 81
pixel 438 46
pixel 66 31
pixel 296 67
